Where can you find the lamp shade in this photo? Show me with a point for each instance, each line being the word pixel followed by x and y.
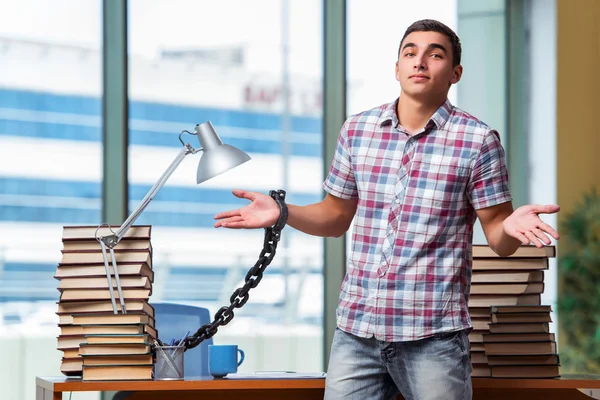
pixel 216 157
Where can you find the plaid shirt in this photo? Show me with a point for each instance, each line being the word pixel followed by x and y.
pixel 409 269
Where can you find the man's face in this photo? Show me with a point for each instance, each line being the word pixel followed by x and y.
pixel 424 67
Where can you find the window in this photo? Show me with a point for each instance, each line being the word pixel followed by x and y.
pixel 50 168
pixel 193 61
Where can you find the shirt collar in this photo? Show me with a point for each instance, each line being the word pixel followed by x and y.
pixel 389 115
pixel 439 118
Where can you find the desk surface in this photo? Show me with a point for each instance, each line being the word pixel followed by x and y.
pixel 62 384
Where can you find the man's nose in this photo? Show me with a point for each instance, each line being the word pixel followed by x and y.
pixel 420 63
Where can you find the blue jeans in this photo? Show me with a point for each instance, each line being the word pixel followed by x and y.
pixel 438 367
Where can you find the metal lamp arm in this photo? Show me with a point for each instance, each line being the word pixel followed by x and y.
pixel 112 240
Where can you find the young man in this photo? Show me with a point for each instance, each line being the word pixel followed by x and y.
pixel 416 173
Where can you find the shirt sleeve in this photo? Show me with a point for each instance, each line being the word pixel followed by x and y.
pixel 489 180
pixel 340 181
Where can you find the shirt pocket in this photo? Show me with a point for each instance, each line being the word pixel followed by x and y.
pixel 376 172
pixel 438 184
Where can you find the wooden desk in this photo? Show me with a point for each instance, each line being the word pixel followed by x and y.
pixel 570 387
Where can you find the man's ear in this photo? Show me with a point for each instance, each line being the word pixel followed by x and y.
pixel 456 74
pixel 397 72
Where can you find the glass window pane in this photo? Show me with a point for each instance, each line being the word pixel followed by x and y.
pixel 50 169
pixel 232 63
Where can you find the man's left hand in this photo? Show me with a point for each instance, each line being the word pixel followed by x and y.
pixel 524 224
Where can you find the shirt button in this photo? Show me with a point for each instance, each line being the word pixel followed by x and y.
pixel 397 200
pixel 403 169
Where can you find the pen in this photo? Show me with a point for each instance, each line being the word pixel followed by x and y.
pixel 180 344
pixel 183 338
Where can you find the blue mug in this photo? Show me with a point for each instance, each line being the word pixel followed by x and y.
pixel 223 359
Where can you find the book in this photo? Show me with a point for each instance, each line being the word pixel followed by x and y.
pixel 98 258
pixel 71 353
pixel 114 348
pixel 521 317
pixel 90 270
pixel 82 307
pixel 92 246
pixel 88 232
pixel 103 294
pixel 71 366
pixel 476 336
pixel 511 264
pixel 534 327
pixel 70 341
pixel 117 359
pixel 480 323
pixel 122 329
pixel 65 319
pixel 102 283
pixel 507 277
pixel 478 357
pixel 477 347
pixel 525 371
pixel 507 288
pixel 486 300
pixel 480 371
pixel 110 318
pixel 518 348
pixel 543 359
pixel 498 309
pixel 518 337
pixel 479 312
pixel 115 338
pixel 480 250
pixel 118 372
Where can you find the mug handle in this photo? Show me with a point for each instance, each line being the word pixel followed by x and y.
pixel 242 359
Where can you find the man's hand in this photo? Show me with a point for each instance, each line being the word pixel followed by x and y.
pixel 262 212
pixel 525 225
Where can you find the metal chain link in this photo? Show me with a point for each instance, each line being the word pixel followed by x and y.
pixel 241 295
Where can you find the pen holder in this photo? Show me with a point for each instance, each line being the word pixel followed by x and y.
pixel 169 363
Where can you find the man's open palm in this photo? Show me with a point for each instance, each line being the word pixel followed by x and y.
pixel 524 224
pixel 262 212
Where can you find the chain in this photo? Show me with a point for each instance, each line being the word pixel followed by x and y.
pixel 241 295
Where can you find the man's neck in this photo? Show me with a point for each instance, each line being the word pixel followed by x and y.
pixel 414 114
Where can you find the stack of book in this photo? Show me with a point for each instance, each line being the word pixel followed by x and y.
pixel 519 344
pixel 97 338
pixel 517 280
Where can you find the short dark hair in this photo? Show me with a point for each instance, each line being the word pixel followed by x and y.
pixel 431 25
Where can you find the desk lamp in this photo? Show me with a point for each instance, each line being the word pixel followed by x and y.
pixel 216 159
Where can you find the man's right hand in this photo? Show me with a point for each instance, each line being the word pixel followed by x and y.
pixel 262 212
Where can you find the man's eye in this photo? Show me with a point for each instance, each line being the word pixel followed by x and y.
pixel 436 55
pixel 409 54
